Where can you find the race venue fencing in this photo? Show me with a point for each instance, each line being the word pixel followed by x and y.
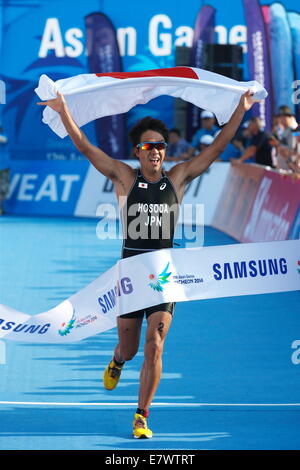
pixel 76 188
pixel 249 202
pixel 258 204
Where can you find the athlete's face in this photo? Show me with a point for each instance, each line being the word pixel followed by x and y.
pixel 151 160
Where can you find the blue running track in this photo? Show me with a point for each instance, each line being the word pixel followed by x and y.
pixel 231 377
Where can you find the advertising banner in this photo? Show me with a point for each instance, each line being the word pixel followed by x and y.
pixel 204 33
pixel 281 47
pixel 104 57
pixel 258 205
pixel 45 187
pixel 274 208
pixel 237 197
pixel 76 188
pixel 171 275
pixel 44 37
pixel 259 58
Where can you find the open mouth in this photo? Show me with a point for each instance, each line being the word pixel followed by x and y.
pixel 154 160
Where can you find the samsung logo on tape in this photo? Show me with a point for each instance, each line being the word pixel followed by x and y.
pixel 109 299
pixel 23 327
pixel 252 268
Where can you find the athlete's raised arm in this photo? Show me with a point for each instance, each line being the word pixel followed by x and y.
pixel 187 171
pixel 116 170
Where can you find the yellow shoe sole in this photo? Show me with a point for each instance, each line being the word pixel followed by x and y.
pixel 145 434
pixel 109 383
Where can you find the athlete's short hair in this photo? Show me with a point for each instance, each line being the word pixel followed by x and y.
pixel 146 124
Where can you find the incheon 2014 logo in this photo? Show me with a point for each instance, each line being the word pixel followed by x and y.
pixel 158 283
pixel 67 327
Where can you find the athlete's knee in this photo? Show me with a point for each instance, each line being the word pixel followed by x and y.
pixel 153 350
pixel 128 354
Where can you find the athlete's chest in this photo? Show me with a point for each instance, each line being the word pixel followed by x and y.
pixel 153 194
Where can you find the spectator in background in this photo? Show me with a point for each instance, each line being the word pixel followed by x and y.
pixel 4 170
pixel 284 108
pixel 205 141
pixel 208 127
pixel 177 146
pixel 259 145
pixel 280 154
pixel 242 138
pixel 294 159
pixel 277 128
pixel 286 128
pixel 230 151
pixel 284 140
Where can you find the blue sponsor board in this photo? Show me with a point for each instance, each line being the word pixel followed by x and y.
pixel 45 188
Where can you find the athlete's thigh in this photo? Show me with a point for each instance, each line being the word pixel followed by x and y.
pixel 129 331
pixel 158 325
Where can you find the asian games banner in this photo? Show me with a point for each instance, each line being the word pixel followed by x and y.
pixel 56 39
pixel 177 275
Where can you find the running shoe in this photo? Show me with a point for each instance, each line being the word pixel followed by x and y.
pixel 111 375
pixel 140 428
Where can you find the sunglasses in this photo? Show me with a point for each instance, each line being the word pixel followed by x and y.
pixel 152 145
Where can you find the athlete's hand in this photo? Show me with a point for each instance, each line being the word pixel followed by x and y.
pixel 57 104
pixel 247 100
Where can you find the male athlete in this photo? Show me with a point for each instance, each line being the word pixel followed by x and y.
pixel 142 189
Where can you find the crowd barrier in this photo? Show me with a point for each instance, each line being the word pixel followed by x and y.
pixel 76 188
pixel 259 204
pixel 249 202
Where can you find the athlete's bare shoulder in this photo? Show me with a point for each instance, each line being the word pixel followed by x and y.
pixel 123 176
pixel 177 177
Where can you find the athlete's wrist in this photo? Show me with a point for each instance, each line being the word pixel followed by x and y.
pixel 63 108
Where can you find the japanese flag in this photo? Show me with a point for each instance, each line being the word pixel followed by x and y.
pixel 92 96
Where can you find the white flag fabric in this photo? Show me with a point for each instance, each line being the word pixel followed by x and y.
pixel 92 96
pixel 169 275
